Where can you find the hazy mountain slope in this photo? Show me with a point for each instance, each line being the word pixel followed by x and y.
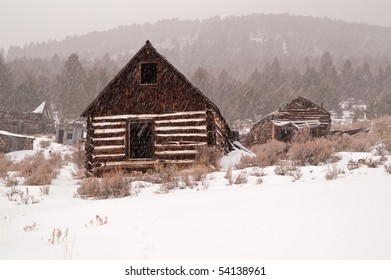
pixel 216 42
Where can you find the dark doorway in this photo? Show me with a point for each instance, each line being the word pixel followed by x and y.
pixel 61 136
pixel 140 140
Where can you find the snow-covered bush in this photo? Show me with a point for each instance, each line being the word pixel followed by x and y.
pixel 241 178
pixel 296 174
pixel 20 197
pixel 312 152
pixel 112 184
pixel 284 167
pixel 257 172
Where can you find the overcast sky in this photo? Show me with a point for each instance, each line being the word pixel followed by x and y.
pixel 24 21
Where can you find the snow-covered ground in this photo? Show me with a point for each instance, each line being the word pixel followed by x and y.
pixel 311 218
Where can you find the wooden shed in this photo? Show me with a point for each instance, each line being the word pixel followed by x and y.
pixel 281 124
pixel 10 142
pixel 36 122
pixel 150 114
pixel 70 133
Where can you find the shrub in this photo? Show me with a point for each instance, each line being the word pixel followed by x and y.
pixel 38 170
pixel 257 172
pixel 208 156
pixel 283 168
pixel 21 197
pixel 44 190
pixel 112 184
pixel 5 165
pixel 10 181
pixel 78 157
pixel 333 172
pixel 387 168
pixel 372 163
pixel 311 152
pixel 295 174
pixel 44 144
pixel 166 173
pixel 241 178
pixel 265 155
pixel 302 135
pixel 198 172
pixel 246 161
pixel 228 175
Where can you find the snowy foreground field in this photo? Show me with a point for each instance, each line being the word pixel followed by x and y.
pixel 311 218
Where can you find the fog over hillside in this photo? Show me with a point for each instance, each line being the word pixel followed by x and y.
pixel 248 65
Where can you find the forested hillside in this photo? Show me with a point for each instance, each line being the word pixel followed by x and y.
pixel 247 65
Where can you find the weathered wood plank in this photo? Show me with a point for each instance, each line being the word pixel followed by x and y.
pixel 161 139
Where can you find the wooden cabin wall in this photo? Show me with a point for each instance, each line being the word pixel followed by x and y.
pixel 220 130
pixel 14 143
pixel 287 114
pixel 25 123
pixel 261 133
pixel 176 139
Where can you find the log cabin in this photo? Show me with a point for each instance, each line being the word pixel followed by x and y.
pixel 282 124
pixel 150 114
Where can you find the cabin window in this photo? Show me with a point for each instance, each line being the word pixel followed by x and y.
pixel 69 136
pixel 148 73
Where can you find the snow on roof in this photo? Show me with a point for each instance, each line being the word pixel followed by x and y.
pixel 298 124
pixel 6 133
pixel 40 108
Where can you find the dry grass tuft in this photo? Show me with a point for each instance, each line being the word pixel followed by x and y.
pixel 312 152
pixel 44 144
pixel 44 190
pixel 5 165
pixel 265 155
pixel 283 168
pixel 112 184
pixel 209 157
pixel 229 176
pixel 333 172
pixel 387 168
pixel 241 178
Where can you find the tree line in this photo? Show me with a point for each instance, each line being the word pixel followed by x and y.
pixel 70 84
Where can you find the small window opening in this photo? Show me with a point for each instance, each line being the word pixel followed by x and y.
pixel 148 73
pixel 69 136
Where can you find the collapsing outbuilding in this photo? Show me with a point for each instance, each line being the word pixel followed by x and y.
pixel 282 124
pixel 151 114
pixel 36 122
pixel 10 142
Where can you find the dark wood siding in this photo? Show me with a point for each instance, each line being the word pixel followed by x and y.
pixel 297 111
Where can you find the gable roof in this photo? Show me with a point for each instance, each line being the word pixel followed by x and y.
pixel 294 105
pixel 43 110
pixel 302 103
pixel 118 80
